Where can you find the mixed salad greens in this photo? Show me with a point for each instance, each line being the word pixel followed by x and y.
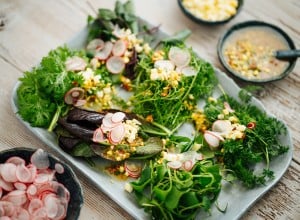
pixel 76 94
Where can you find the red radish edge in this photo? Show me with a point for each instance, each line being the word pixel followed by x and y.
pixel 115 65
pixel 119 48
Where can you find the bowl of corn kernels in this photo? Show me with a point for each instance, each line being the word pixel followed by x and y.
pixel 210 12
pixel 248 50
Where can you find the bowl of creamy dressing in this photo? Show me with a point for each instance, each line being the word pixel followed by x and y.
pixel 210 12
pixel 247 50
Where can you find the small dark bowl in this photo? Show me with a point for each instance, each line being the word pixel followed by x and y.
pixel 207 22
pixel 68 178
pixel 247 24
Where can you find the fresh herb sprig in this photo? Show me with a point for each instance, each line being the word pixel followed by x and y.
pixel 260 144
pixel 41 92
pixel 167 105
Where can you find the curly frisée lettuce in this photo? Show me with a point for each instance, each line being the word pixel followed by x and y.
pixel 167 93
pixel 41 92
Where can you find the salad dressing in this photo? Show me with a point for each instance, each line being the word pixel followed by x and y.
pixel 250 52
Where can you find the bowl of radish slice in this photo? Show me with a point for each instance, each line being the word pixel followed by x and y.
pixel 36 185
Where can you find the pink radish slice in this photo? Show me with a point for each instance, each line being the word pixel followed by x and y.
pixel 79 102
pixel 33 171
pixel 105 129
pixel 104 53
pixel 75 64
pixel 180 57
pixel 40 214
pixel 98 136
pixel 6 208
pixel 17 197
pixel 42 178
pixel 212 140
pixel 174 164
pixel 20 186
pixel 40 159
pixel 23 174
pixel 61 212
pixel 222 126
pixel 199 157
pixel 115 65
pixel 106 121
pixel 188 71
pixel 227 107
pixel 22 214
pixel 73 95
pixel 187 165
pixel 133 169
pixel 8 172
pixel 118 117
pixel 59 168
pixel 119 48
pixel 34 205
pixel 95 45
pixel 32 190
pixel 117 134
pixel 164 64
pixel 7 186
pixel 51 205
pixel 15 160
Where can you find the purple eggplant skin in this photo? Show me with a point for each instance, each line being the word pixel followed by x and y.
pixel 78 115
pixel 68 143
pixel 77 130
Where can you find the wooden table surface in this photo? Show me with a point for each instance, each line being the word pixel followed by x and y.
pixel 29 29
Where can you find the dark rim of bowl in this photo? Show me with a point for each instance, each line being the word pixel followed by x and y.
pixel 199 20
pixel 76 195
pixel 255 23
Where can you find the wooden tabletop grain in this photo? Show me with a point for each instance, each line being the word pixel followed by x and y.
pixel 29 29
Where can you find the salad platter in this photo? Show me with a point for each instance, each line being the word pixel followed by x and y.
pixel 234 196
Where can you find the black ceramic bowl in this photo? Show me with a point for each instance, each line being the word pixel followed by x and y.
pixel 248 24
pixel 67 178
pixel 208 22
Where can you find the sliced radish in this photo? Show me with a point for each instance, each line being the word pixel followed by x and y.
pixel 180 57
pixel 61 211
pixel 222 126
pixel 119 48
pixel 8 172
pixel 22 214
pixel 104 53
pixel 118 117
pixel 188 165
pixel 164 64
pixel 133 168
pixel 79 102
pixel 176 164
pixel 51 205
pixel 117 134
pixel 7 186
pixel 212 140
pixel 199 156
pixel 188 71
pixel 23 174
pixel 17 197
pixel 75 64
pixel 95 45
pixel 59 168
pixel 40 159
pixel 98 136
pixel 73 95
pixel 228 107
pixel 15 160
pixel 34 205
pixel 106 121
pixel 6 208
pixel 20 186
pixel 115 65
pixel 40 214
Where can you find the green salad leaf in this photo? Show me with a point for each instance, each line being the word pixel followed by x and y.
pixel 41 92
